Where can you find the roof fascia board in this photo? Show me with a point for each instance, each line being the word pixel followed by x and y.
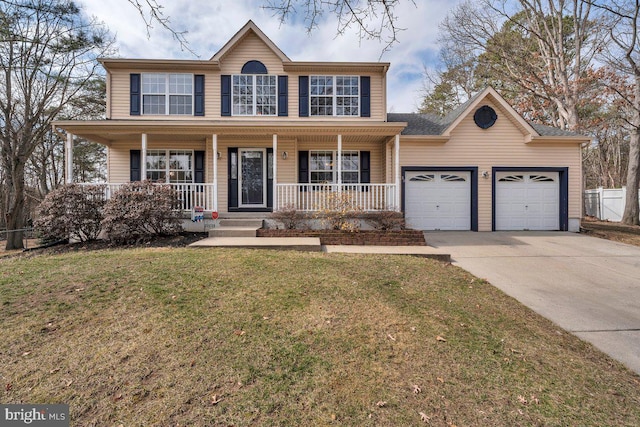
pixel 158 64
pixel 375 67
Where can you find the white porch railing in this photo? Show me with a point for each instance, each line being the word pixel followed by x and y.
pixel 189 195
pixel 316 197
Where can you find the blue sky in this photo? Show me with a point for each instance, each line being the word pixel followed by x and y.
pixel 211 23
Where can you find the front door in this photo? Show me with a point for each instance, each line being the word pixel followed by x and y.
pixel 252 178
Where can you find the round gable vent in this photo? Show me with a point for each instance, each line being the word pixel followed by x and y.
pixel 485 117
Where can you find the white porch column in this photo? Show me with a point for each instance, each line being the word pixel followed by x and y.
pixel 275 172
pixel 214 146
pixel 396 159
pixel 339 162
pixel 143 158
pixel 69 159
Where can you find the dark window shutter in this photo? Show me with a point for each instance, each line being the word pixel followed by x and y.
pixel 135 160
pixel 270 180
pixel 134 92
pixel 283 96
pixel 365 96
pixel 365 167
pixel 199 167
pixel 225 95
pixel 198 104
pixel 303 167
pixel 233 179
pixel 303 96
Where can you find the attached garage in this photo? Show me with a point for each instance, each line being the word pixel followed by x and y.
pixel 439 199
pixel 529 200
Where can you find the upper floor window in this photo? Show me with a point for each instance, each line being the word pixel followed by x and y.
pixel 164 93
pixel 255 95
pixel 334 95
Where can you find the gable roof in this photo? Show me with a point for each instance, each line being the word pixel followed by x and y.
pixel 249 27
pixel 433 125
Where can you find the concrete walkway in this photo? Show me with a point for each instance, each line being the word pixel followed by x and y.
pixel 586 285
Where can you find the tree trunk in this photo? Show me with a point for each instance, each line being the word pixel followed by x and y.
pixel 15 207
pixel 631 213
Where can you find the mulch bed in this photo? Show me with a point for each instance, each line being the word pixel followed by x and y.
pixel 363 237
pixel 589 225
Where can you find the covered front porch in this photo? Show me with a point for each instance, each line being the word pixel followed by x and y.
pixel 247 166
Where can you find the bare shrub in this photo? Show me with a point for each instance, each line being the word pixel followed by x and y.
pixel 290 217
pixel 339 212
pixel 386 220
pixel 71 212
pixel 141 209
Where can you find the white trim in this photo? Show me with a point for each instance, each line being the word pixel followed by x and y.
pixel 214 143
pixel 339 162
pixel 143 158
pixel 275 170
pixel 397 170
pixel 69 158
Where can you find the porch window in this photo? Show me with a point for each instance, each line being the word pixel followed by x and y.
pixel 255 95
pixel 322 168
pixel 170 166
pixel 164 93
pixel 334 95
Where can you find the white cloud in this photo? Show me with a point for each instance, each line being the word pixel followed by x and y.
pixel 211 24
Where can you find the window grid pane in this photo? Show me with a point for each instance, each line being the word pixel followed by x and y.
pixel 167 93
pixel 175 166
pixel 321 166
pixel 334 95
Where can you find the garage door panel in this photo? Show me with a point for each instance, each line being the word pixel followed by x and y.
pixel 527 201
pixel 438 200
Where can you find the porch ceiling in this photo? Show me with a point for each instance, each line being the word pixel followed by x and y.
pixel 108 131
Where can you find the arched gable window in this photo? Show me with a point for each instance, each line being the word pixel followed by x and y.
pixel 254 67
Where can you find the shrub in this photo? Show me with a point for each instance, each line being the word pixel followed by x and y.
pixel 290 217
pixel 141 209
pixel 386 220
pixel 339 212
pixel 71 212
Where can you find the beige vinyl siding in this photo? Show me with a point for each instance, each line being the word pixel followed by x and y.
pixel 501 145
pixel 248 49
pixel 119 95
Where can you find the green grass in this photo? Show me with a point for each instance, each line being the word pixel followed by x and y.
pixel 157 336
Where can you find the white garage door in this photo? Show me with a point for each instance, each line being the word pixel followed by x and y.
pixel 438 200
pixel 527 201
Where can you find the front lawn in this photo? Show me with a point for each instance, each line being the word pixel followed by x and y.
pixel 219 337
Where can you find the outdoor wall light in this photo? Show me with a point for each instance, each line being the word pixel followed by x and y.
pixel 285 155
pixel 485 174
pixel 219 155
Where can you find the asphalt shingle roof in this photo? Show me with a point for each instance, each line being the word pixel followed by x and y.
pixel 431 124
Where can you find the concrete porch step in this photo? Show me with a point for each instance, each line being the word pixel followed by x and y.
pixel 283 243
pixel 241 222
pixel 233 232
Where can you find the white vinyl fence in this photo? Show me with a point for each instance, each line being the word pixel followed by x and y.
pixel 606 203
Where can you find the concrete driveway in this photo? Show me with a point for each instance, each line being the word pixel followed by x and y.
pixel 586 285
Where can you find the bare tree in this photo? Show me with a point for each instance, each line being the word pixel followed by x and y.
pixel 47 55
pixel 623 54
pixel 544 48
pixel 374 19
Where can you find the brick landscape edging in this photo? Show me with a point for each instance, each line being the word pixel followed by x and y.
pixel 363 237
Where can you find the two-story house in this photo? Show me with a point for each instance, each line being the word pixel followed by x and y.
pixel 250 130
